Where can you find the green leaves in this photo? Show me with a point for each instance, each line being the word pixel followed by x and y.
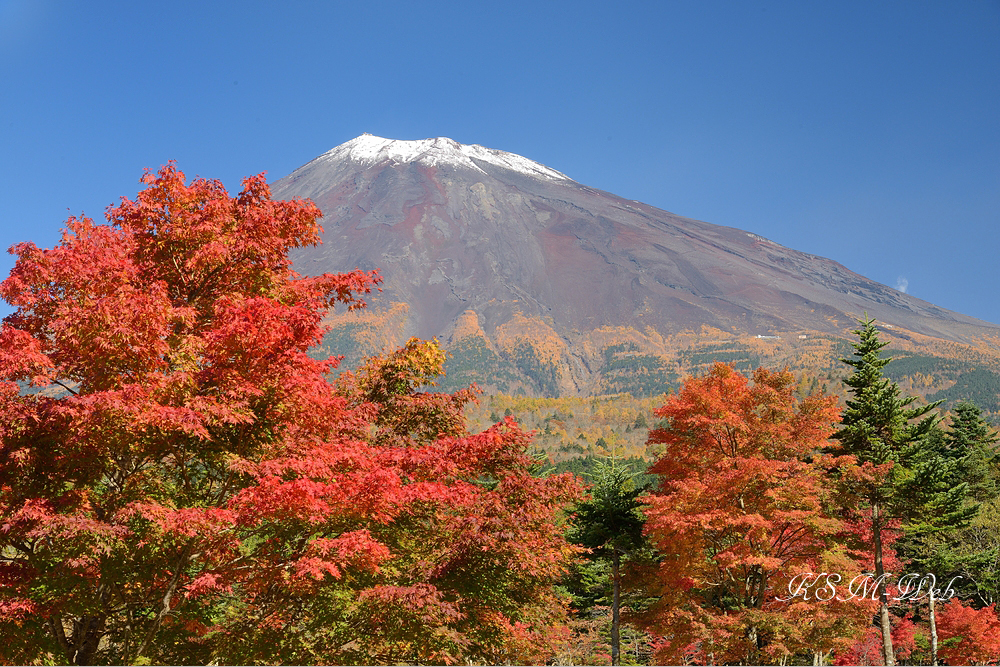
pixel 611 518
pixel 876 425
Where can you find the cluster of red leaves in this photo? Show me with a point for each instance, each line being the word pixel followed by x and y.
pixel 968 636
pixel 472 547
pixel 183 483
pixel 867 649
pixel 740 512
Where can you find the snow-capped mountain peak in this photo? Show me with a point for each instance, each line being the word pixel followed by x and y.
pixel 369 149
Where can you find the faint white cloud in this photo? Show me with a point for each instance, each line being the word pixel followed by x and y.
pixel 902 283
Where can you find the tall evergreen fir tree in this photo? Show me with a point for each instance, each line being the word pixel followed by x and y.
pixel 610 523
pixel 972 442
pixel 878 428
pixel 945 543
pixel 935 494
pixel 941 503
pixel 953 472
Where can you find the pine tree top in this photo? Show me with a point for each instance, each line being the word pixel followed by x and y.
pixel 876 425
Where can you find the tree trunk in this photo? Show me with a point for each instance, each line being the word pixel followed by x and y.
pixel 887 652
pixel 934 636
pixel 615 606
pixel 94 632
pixel 84 640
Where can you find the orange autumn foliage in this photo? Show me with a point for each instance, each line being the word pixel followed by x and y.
pixel 741 511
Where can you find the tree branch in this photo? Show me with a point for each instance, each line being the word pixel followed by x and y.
pixel 165 606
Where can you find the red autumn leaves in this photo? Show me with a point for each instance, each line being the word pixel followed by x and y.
pixel 187 475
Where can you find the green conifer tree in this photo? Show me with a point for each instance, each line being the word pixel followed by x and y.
pixel 877 427
pixel 972 442
pixel 610 523
pixel 945 543
pixel 938 503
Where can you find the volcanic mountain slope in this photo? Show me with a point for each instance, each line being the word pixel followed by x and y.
pixel 542 284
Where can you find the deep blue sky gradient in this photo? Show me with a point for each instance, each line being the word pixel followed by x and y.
pixel 864 132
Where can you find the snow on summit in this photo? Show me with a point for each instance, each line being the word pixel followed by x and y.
pixel 369 149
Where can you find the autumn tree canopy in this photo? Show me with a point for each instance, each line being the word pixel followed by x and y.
pixel 176 471
pixel 741 511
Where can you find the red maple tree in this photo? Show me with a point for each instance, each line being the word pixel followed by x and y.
pixel 968 636
pixel 740 512
pixel 180 482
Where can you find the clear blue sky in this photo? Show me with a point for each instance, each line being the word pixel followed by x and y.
pixel 864 132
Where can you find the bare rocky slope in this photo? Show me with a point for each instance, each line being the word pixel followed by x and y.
pixel 553 287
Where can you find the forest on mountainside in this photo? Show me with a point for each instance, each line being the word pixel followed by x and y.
pixel 187 476
pixel 625 363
